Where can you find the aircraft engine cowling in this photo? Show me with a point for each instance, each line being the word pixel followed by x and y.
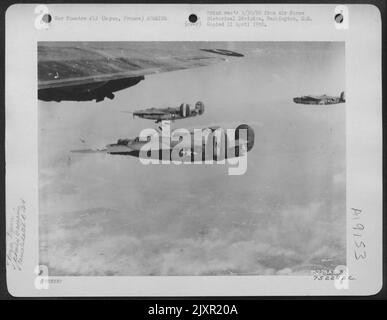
pixel 200 107
pixel 250 135
pixel 185 110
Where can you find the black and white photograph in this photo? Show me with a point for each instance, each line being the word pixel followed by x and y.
pixel 107 213
pixel 193 150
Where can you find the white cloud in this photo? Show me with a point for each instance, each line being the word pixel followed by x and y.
pixel 89 243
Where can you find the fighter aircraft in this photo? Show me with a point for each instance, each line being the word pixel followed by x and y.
pixel 189 151
pixel 160 114
pixel 85 71
pixel 320 100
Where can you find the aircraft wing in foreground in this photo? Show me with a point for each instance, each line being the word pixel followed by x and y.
pixel 85 71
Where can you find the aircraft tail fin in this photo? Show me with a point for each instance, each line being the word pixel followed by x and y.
pixel 342 96
pixel 200 106
pixel 250 135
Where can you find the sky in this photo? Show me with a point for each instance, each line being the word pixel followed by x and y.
pixel 111 215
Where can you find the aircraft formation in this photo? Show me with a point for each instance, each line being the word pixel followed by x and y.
pixel 72 71
pixel 86 71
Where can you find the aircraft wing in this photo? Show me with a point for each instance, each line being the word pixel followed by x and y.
pixel 63 64
pixel 153 112
pixel 316 98
pixel 145 112
pixel 89 151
